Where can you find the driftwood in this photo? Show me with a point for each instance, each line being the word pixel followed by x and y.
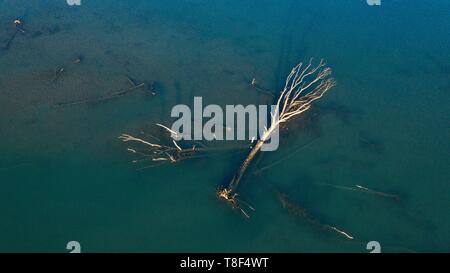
pixel 304 85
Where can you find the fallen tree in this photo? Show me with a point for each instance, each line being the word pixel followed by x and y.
pixel 304 85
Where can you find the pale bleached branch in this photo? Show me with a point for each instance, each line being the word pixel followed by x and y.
pixel 173 134
pixel 303 85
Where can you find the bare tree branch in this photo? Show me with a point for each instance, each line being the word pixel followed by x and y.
pixel 303 85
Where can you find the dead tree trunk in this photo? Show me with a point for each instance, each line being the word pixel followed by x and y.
pixel 304 85
pixel 255 150
pixel 238 176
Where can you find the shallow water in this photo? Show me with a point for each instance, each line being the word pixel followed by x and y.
pixel 65 176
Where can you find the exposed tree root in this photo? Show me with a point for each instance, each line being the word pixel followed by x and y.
pixel 232 200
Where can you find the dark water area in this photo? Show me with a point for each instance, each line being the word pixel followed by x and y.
pixel 65 175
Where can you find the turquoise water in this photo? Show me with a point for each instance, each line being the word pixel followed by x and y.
pixel 65 176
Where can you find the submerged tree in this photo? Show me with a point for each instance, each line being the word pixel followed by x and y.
pixel 305 84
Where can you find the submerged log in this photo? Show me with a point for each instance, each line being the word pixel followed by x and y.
pixel 298 211
pixel 359 188
pixel 19 29
pixel 111 96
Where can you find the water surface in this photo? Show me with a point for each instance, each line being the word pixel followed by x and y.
pixel 65 176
